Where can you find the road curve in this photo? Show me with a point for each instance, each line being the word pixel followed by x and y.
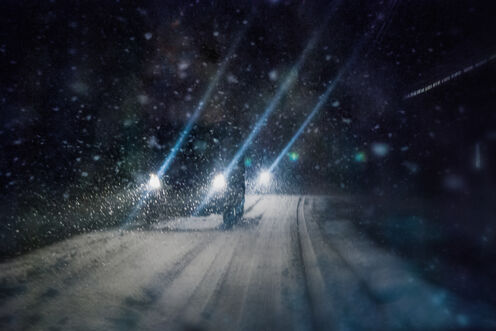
pixel 291 265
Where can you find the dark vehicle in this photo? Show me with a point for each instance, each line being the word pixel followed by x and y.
pixel 199 183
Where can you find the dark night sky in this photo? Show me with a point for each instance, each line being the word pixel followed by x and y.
pixel 93 93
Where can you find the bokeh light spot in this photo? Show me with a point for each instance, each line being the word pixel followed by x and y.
pixel 360 157
pixel 293 156
pixel 248 162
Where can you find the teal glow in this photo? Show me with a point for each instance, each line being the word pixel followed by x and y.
pixel 360 157
pixel 247 162
pixel 293 156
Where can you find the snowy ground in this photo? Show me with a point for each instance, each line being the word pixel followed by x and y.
pixel 291 265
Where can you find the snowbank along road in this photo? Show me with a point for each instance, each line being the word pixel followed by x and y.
pixel 291 265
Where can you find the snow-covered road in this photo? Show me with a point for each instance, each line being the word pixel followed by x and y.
pixel 291 265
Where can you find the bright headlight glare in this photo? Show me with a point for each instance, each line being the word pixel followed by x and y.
pixel 264 178
pixel 219 182
pixel 154 182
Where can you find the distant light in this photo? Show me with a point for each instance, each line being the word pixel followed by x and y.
pixel 360 157
pixel 154 182
pixel 264 178
pixel 219 182
pixel 293 156
pixel 247 162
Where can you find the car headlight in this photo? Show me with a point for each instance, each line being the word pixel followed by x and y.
pixel 154 182
pixel 219 183
pixel 264 178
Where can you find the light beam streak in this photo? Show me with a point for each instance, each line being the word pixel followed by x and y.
pixel 281 91
pixel 322 100
pixel 192 120
pixel 199 108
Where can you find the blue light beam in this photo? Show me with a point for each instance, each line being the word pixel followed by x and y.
pixel 287 84
pixel 199 108
pixel 281 91
pixel 322 100
pixel 187 129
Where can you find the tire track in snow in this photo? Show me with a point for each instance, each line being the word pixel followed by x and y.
pixel 134 309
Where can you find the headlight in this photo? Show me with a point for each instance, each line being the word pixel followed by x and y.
pixel 219 182
pixel 154 182
pixel 264 178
